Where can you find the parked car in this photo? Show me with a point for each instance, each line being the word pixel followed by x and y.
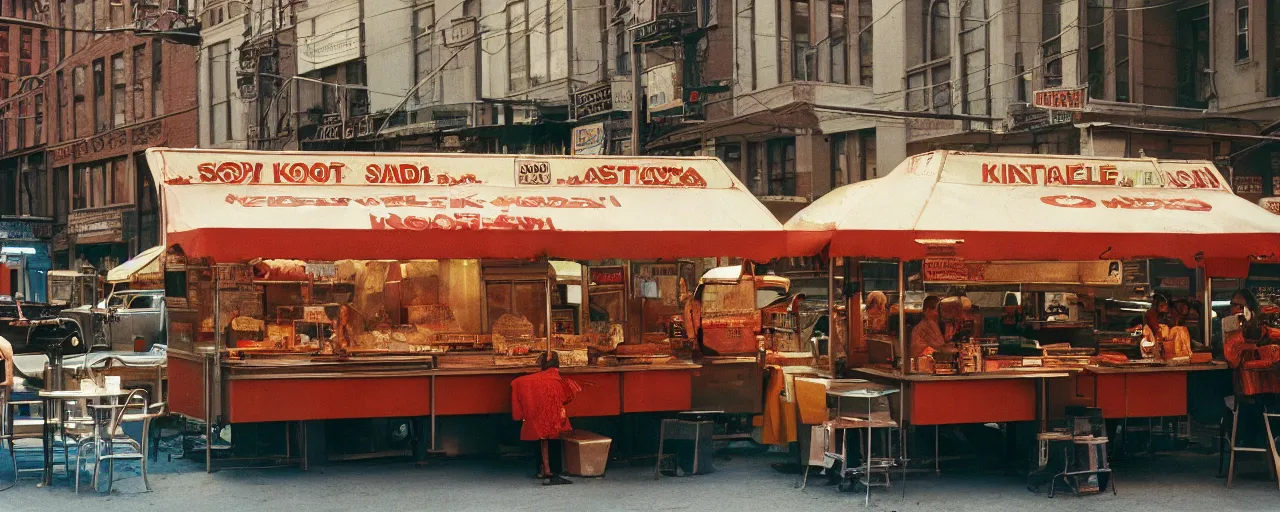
pixel 115 323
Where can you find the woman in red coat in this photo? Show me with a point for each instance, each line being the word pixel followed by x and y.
pixel 538 401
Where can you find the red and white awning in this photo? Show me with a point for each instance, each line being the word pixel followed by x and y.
pixel 239 205
pixel 984 206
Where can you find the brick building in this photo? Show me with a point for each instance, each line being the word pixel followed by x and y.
pixel 26 215
pixel 100 90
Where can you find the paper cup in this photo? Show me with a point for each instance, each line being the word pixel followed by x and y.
pixel 113 383
pixel 88 385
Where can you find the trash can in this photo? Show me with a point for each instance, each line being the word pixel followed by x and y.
pixel 585 453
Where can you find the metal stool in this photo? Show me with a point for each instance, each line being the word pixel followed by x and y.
pixel 1235 446
pixel 699 433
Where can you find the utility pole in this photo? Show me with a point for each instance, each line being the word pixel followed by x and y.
pixel 637 94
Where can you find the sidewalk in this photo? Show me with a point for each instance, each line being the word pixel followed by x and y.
pixel 1180 481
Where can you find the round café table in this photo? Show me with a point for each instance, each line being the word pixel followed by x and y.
pixel 53 417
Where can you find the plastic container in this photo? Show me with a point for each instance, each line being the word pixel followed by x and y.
pixel 585 453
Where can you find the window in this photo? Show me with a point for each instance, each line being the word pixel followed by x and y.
pixel 867 154
pixel 139 63
pixel 517 47
pixel 929 84
pixel 4 53
pixel 535 29
pixel 622 51
pixel 157 67
pixel 219 92
pixel 557 45
pixel 1242 30
pixel 782 167
pixel 60 102
pixel 839 26
pixel 100 16
pixel 1121 17
pixel 60 195
pixel 1273 47
pixel 21 119
pixel 33 188
pixel 64 40
pixel 839 160
pixel 1192 38
pixel 1095 18
pixel 101 118
pixel 1051 45
pixel 801 50
pixel 44 51
pixel 77 99
pixel 424 20
pixel 865 54
pixel 121 186
pixel 82 16
pixel 118 92
pixel 38 115
pixel 89 186
pixel 117 12
pixel 975 78
pixel 26 52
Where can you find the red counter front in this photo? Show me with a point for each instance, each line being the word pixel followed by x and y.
pixel 972 401
pixel 606 392
pixel 1126 392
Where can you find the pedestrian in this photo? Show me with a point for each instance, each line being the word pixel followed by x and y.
pixel 538 400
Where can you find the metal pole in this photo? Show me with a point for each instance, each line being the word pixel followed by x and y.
pixel 548 288
pixel 1208 309
pixel 637 94
pixel 902 318
pixel 831 315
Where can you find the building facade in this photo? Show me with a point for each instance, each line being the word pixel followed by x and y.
pixel 88 86
pixel 797 96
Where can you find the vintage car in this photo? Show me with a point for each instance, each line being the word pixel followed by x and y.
pixel 128 320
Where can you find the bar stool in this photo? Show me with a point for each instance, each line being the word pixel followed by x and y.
pixel 877 416
pixel 1235 447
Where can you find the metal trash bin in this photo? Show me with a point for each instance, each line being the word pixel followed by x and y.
pixel 585 453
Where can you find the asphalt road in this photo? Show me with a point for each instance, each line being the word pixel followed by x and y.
pixel 1180 481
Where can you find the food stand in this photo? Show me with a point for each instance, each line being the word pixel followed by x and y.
pixel 317 286
pixel 1056 232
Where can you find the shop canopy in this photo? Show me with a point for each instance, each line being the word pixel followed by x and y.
pixel 240 205
pixel 146 262
pixel 992 207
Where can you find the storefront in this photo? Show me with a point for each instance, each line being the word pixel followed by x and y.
pixel 440 276
pixel 1032 261
pixel 25 254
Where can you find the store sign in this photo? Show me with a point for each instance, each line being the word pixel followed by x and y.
pixel 592 101
pixel 97 226
pixel 333 127
pixel 607 276
pixel 460 33
pixel 1248 184
pixel 1271 204
pixel 14 230
pixel 1175 283
pixel 1061 99
pixel 329 39
pixel 588 139
pixel 954 270
pixel 663 93
pixel 1029 170
pixel 109 144
pixel 1025 117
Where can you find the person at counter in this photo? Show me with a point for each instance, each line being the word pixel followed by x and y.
pixel 537 401
pixel 877 314
pixel 926 336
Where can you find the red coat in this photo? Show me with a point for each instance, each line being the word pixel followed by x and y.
pixel 538 400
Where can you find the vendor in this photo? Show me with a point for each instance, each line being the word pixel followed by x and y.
pixel 537 401
pixel 926 336
pixel 877 314
pixel 1151 320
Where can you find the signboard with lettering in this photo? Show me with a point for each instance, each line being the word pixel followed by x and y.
pixel 593 100
pixel 588 139
pixel 1061 99
pixel 607 276
pixel 1248 184
pixel 1271 204
pixel 97 226
pixel 109 144
pixel 983 169
pixel 661 87
pixel 20 230
pixel 955 270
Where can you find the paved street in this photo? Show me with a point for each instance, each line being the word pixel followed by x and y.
pixel 1183 481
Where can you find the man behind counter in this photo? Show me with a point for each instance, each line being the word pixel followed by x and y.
pixel 926 336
